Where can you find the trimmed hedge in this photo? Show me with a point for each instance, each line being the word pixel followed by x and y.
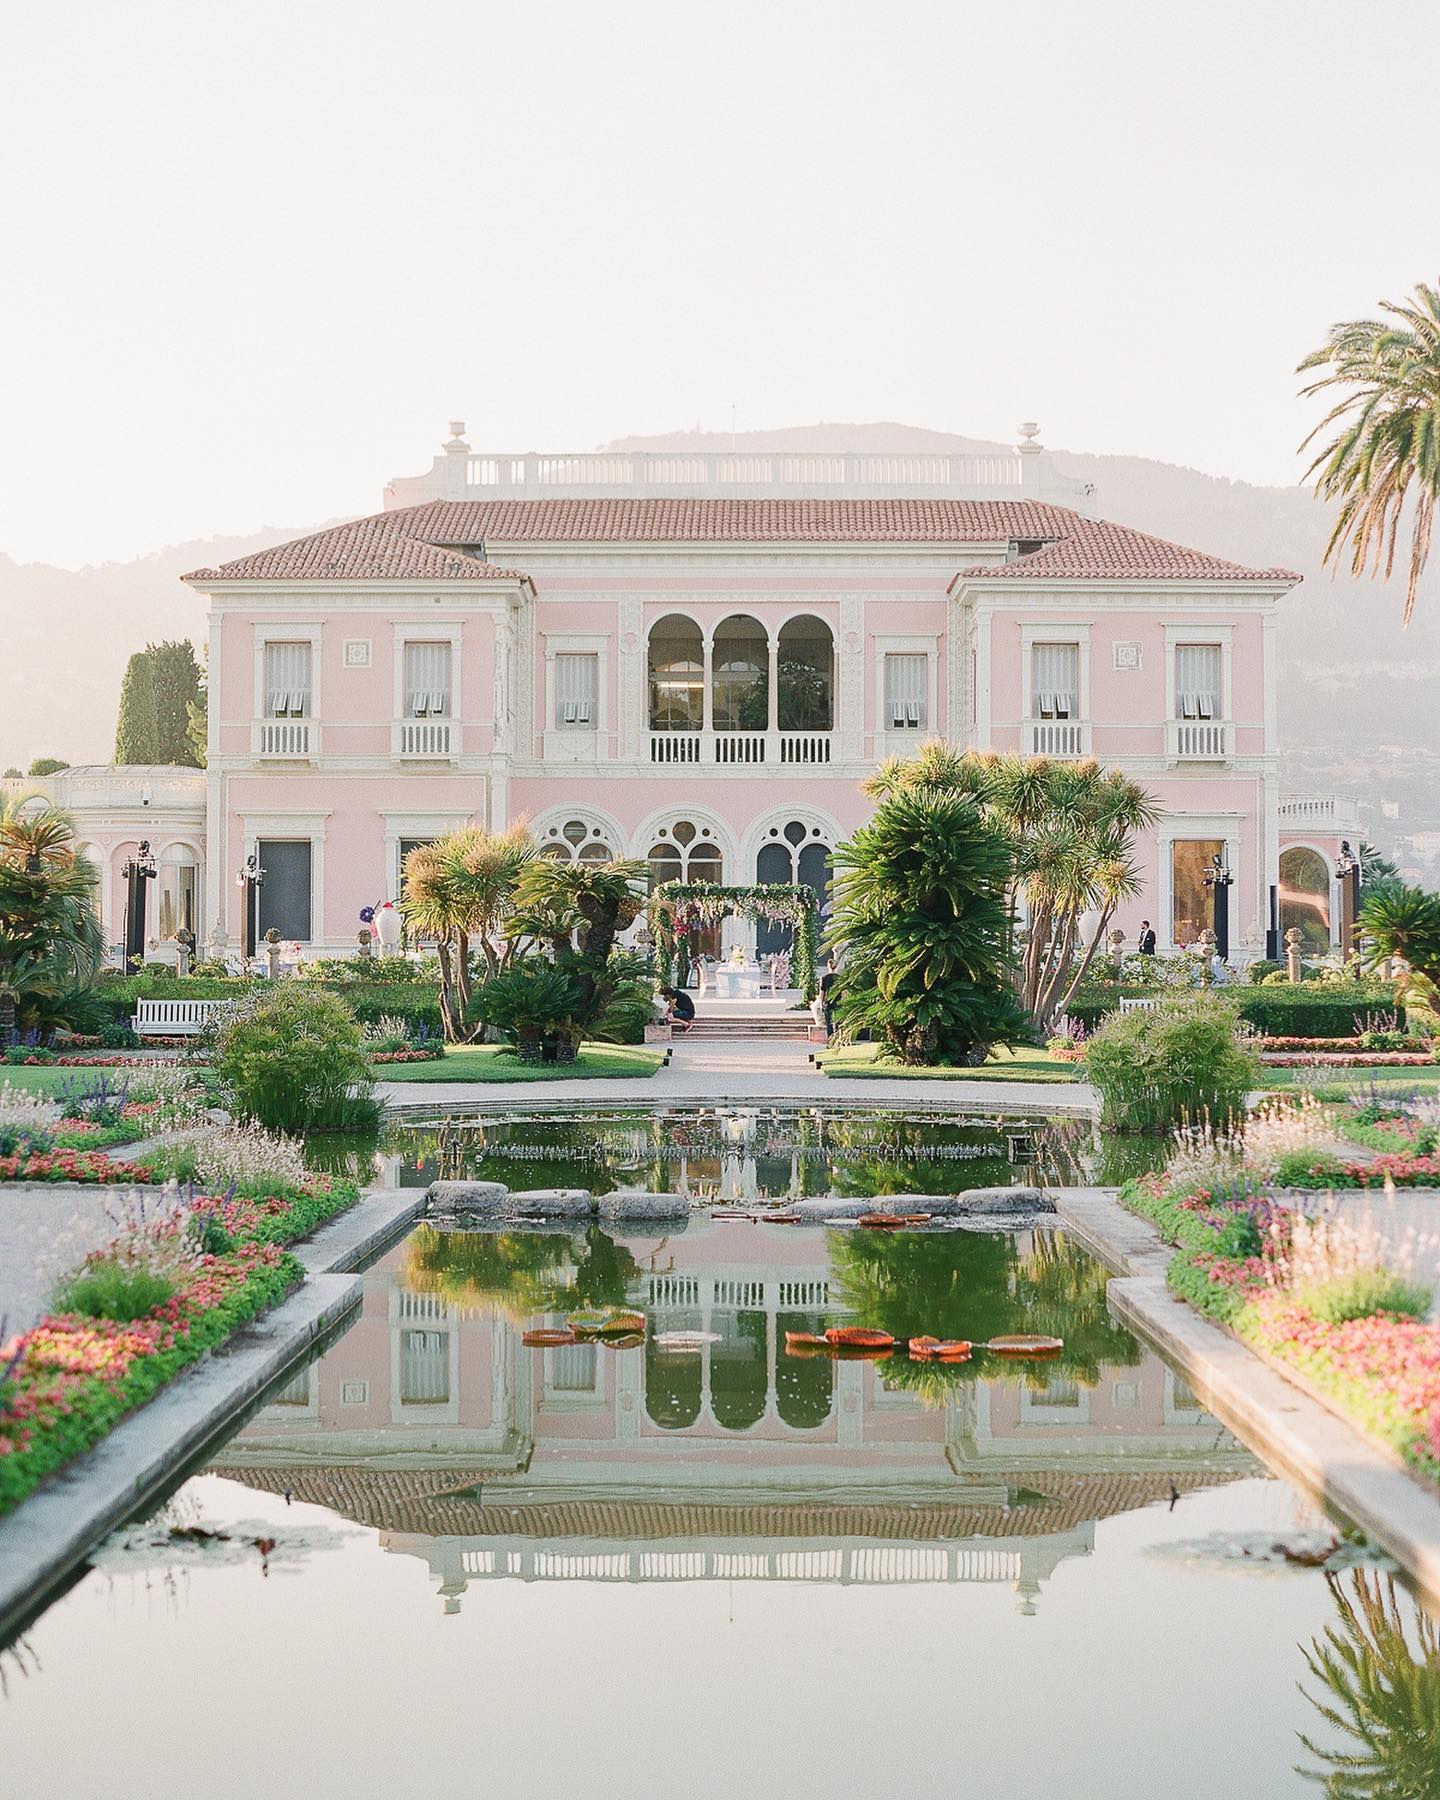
pixel 395 1000
pixel 1319 1009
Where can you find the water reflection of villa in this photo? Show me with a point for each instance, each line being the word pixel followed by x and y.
pixel 430 1422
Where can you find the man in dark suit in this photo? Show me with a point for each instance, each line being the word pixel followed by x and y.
pixel 1147 938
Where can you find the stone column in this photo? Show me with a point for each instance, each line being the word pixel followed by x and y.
pixel 1293 940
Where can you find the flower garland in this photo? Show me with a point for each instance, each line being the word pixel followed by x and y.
pixel 679 908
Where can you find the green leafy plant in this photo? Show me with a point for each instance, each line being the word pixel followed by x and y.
pixel 1361 1295
pixel 1403 921
pixel 292 1058
pixel 110 1287
pixel 922 921
pixel 460 890
pixel 529 1002
pixel 1174 1065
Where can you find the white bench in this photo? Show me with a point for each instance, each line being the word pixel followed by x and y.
pixel 1138 1005
pixel 172 1018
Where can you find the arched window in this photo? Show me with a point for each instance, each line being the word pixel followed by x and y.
pixel 684 851
pixel 792 853
pixel 740 1373
pixel 805 664
pixel 1305 895
pixel 175 903
pixel 576 840
pixel 740 675
pixel 677 675
pixel 804 1387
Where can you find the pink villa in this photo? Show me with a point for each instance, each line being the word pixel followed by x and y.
pixel 696 659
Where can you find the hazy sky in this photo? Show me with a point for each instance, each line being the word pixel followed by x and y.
pixel 256 256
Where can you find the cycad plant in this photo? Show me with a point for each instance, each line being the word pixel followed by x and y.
pixel 1071 828
pixel 50 938
pixel 921 914
pixel 1396 920
pixel 1385 456
pixel 1379 1693
pixel 578 910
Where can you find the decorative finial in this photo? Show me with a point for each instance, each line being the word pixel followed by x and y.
pixel 1029 431
pixel 457 428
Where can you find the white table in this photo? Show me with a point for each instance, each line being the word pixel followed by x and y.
pixel 738 981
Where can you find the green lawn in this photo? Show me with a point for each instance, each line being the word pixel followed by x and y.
pixel 1387 1078
pixel 47 1080
pixel 484 1062
pixel 1020 1063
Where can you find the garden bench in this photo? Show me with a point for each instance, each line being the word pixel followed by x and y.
pixel 172 1018
pixel 1138 1005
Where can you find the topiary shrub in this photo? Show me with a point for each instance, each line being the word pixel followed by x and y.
pixel 292 1059
pixel 1178 1064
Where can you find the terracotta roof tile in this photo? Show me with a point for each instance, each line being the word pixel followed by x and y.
pixel 430 542
pixel 1097 550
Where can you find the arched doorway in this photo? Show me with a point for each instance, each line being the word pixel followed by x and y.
pixel 740 674
pixel 686 851
pixel 793 853
pixel 1305 896
pixel 677 674
pixel 805 676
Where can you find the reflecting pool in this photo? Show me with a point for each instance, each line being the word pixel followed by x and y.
pixel 734 1152
pixel 443 1561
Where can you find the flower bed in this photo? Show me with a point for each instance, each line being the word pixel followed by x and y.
pixel 408 1056
pixel 1382 1370
pixel 1350 1059
pixel 70 1379
pixel 64 1164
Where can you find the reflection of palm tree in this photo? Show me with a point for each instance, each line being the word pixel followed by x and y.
pixel 1380 1694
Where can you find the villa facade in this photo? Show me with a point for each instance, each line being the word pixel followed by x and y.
pixel 696 660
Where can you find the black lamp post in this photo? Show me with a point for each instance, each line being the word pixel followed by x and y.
pixel 250 880
pixel 137 870
pixel 1218 879
pixel 1347 867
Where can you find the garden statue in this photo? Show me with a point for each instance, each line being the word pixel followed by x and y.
pixel 272 953
pixel 1293 940
pixel 184 950
pixel 1116 941
pixel 364 940
pixel 388 927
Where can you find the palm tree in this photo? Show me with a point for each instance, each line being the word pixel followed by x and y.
pixel 1396 920
pixel 461 888
pixel 1386 451
pixel 591 904
pixel 1380 1694
pixel 50 938
pixel 1071 827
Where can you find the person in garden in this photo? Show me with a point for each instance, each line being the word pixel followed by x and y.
pixel 682 1007
pixel 827 993
pixel 1147 938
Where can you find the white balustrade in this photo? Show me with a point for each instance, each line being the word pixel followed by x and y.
pixel 1198 740
pixel 808 747
pixel 283 737
pixel 674 746
pixel 742 749
pixel 739 747
pixel 423 738
pixel 698 471
pixel 1057 737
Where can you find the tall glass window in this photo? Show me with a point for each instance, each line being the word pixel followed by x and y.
pixel 677 675
pixel 287 681
pixel 285 893
pixel 1197 681
pixel 1305 895
pixel 740 675
pixel 805 665
pixel 907 692
pixel 1191 904
pixel 427 681
pixel 576 692
pixel 1055 681
pixel 177 882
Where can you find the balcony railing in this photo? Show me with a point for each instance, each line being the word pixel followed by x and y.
pixel 1319 812
pixel 285 739
pixel 424 738
pixel 1065 738
pixel 1199 740
pixel 741 749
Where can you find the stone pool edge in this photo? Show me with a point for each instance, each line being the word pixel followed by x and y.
pixel 1314 1447
pixel 54 1529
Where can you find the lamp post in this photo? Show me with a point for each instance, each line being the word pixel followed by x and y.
pixel 1218 879
pixel 249 881
pixel 1347 868
pixel 137 870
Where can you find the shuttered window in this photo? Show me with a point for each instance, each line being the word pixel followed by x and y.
pixel 1197 681
pixel 907 692
pixel 1055 681
pixel 576 692
pixel 287 681
pixel 427 681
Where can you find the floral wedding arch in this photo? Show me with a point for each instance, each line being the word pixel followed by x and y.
pixel 679 908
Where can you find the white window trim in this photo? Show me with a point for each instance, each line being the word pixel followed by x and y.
pixel 1181 828
pixel 427 631
pixel 1056 633
pixel 399 826
pixel 277 632
pixel 566 643
pixel 927 646
pixel 298 825
pixel 1200 633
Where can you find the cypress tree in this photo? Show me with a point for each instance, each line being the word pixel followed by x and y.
pixel 161 683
